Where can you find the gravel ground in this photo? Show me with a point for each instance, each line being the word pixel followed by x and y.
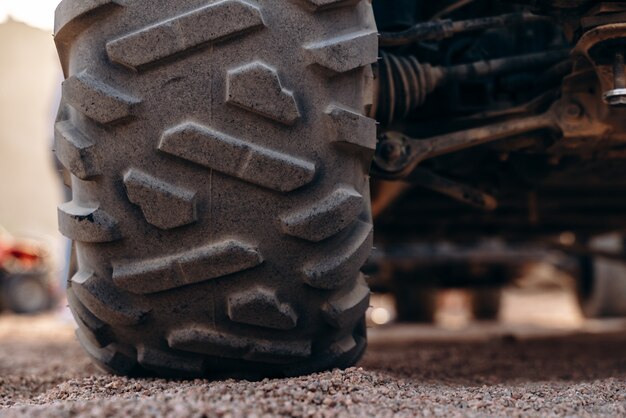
pixel 483 370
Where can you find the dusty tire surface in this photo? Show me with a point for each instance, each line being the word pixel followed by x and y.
pixel 219 155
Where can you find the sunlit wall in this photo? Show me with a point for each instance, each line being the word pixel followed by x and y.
pixel 29 78
pixel 36 13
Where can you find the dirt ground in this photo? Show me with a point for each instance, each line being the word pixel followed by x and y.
pixel 516 368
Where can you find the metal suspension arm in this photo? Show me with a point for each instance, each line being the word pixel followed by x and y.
pixel 398 155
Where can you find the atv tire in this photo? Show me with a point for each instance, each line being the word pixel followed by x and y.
pixel 485 303
pixel 602 288
pixel 219 155
pixel 415 302
pixel 26 294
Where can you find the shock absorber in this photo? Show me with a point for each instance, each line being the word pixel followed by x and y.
pixel 404 83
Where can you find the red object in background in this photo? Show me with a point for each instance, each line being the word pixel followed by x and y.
pixel 25 286
pixel 24 255
pixel 5 250
pixel 27 258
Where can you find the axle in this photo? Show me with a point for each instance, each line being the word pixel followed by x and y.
pixel 404 83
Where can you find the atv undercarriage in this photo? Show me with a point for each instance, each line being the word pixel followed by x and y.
pixel 532 143
pixel 500 120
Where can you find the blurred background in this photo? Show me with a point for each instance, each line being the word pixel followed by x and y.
pixel 29 80
pixel 30 188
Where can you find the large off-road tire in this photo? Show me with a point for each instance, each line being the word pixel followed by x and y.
pixel 602 287
pixel 219 155
pixel 26 294
pixel 415 302
pixel 485 302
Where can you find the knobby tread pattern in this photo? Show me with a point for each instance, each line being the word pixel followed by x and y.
pixel 74 16
pixel 319 5
pixel 236 157
pixel 97 100
pixel 345 345
pixel 109 358
pixel 218 227
pixel 260 306
pixel 326 217
pixel 104 301
pixel 215 343
pixel 346 350
pixel 181 33
pixel 95 330
pixel 257 87
pixel 352 128
pixel 169 272
pixel 75 151
pixel 70 11
pixel 334 271
pixel 169 364
pixel 346 52
pixel 349 308
pixel 164 205
pixel 87 224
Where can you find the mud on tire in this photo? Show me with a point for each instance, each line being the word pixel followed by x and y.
pixel 219 155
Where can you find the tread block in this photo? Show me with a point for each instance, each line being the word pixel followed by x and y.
pixel 202 340
pixel 73 17
pixel 109 358
pixel 257 87
pixel 278 352
pixel 97 100
pixel 189 267
pixel 340 354
pixel 164 205
pixel 163 362
pixel 317 5
pixel 232 156
pixel 261 307
pixel 211 342
pixel 334 271
pixel 207 24
pixel 348 309
pixel 104 301
pixel 353 128
pixel 87 224
pixel 75 151
pixel 69 11
pixel 343 346
pixel 345 53
pixel 95 330
pixel 326 217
